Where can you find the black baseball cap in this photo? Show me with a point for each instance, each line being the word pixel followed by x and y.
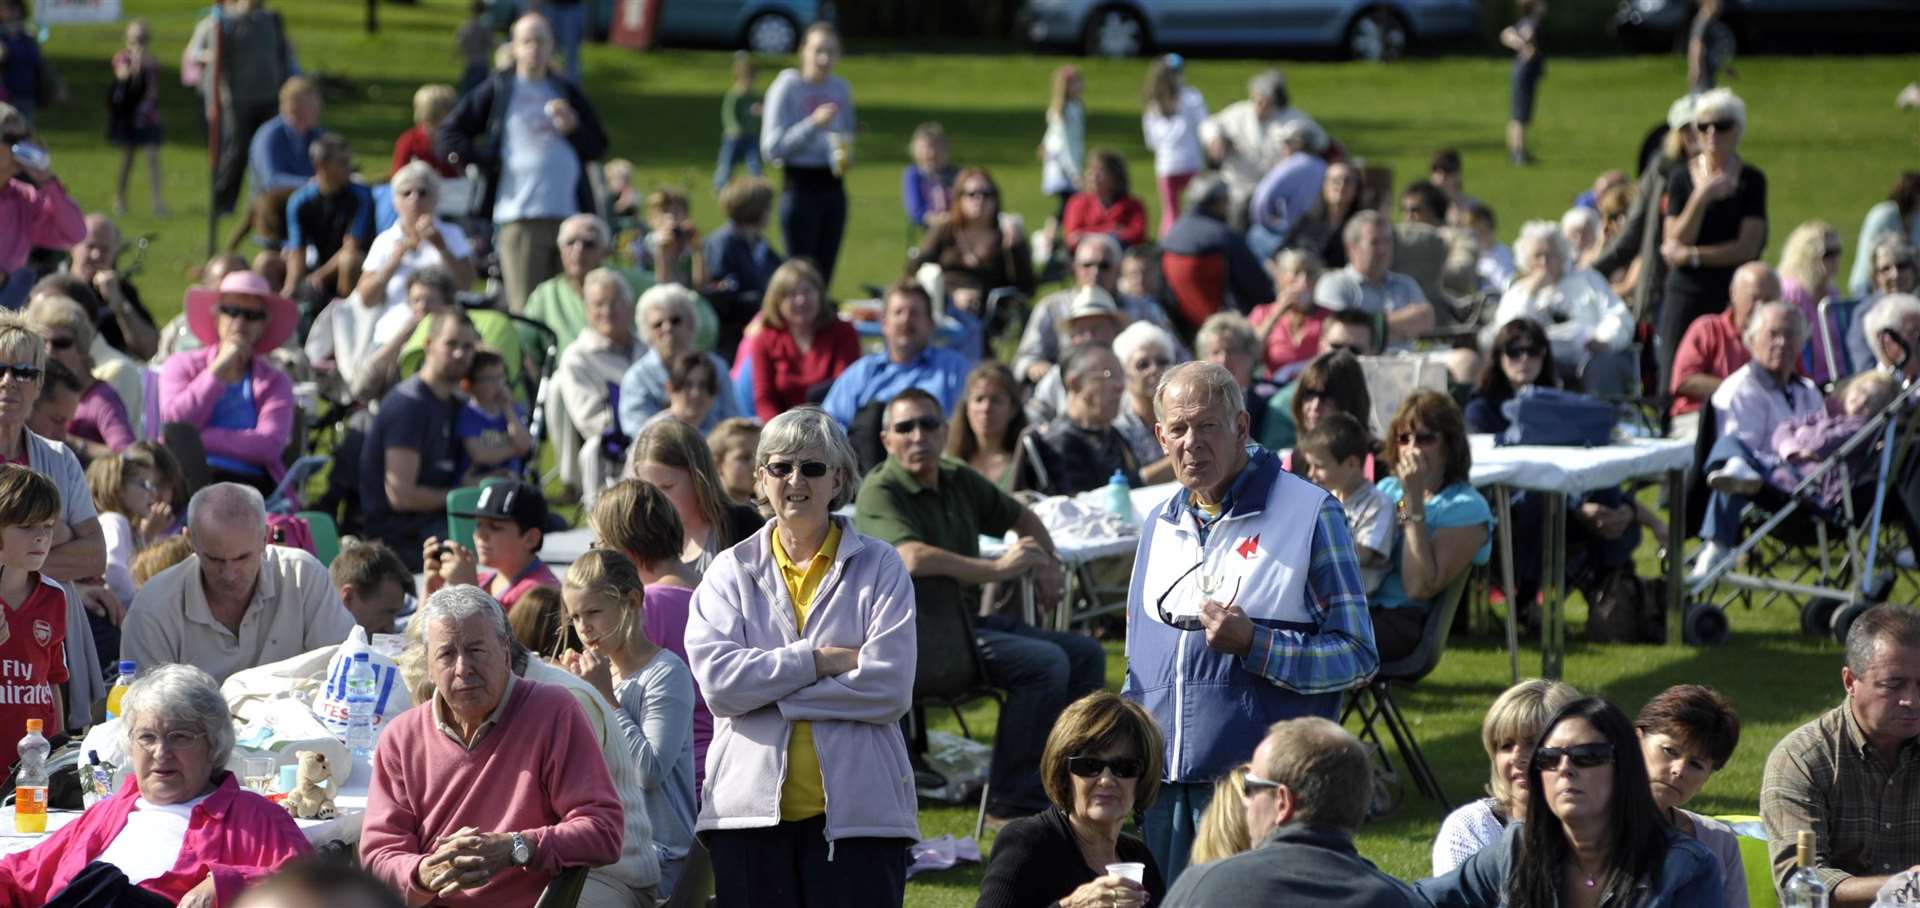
pixel 516 501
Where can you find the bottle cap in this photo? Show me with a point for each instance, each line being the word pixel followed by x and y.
pixel 128 666
pixel 34 726
pixel 360 657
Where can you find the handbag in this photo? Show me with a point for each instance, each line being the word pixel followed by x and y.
pixel 1550 416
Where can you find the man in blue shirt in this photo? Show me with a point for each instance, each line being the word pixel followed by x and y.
pixel 278 156
pixel 329 226
pixel 909 360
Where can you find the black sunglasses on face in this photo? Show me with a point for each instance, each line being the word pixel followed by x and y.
pixel 1353 349
pixel 924 424
pixel 1307 397
pixel 1726 125
pixel 60 343
pixel 1408 439
pixel 1584 756
pixel 1521 351
pixel 582 241
pixel 12 137
pixel 1101 265
pixel 21 371
pixel 812 469
pixel 239 312
pixel 1092 767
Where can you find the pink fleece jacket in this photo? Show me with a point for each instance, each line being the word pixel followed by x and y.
pixel 538 772
pixel 36 216
pixel 189 389
pixel 235 835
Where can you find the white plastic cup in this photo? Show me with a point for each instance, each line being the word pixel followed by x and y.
pixel 1129 871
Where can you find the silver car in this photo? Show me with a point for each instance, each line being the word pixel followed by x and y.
pixel 1359 29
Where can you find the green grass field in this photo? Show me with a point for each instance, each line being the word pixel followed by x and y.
pixel 1824 130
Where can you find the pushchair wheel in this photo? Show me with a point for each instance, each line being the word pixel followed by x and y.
pixel 1843 618
pixel 1816 617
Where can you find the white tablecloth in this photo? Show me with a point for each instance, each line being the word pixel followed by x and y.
pixel 1575 470
pixel 350 809
pixel 1076 549
pixel 565 547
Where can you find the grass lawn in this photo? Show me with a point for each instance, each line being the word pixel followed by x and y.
pixel 1823 129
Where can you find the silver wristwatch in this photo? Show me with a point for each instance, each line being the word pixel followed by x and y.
pixel 522 855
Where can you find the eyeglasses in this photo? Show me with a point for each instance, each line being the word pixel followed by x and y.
pixel 924 424
pixel 60 343
pixel 1255 784
pixel 1725 125
pixel 24 373
pixel 1521 351
pixel 1151 362
pixel 584 242
pixel 145 484
pixel 1101 265
pixel 812 469
pixel 1307 397
pixel 243 313
pixel 1092 767
pixel 1423 439
pixel 1584 756
pixel 1188 622
pixel 175 741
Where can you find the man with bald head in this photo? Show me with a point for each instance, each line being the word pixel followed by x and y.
pixel 236 602
pixel 1713 348
pixel 130 328
pixel 1243 610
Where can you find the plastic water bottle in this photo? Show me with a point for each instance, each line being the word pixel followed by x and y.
pixel 1120 497
pixel 361 691
pixel 127 670
pixel 30 789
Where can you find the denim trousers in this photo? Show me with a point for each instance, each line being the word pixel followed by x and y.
pixel 1042 671
pixel 1170 824
pixel 736 151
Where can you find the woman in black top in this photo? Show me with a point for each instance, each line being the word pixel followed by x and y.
pixel 1520 356
pixel 1320 230
pixel 1101 765
pixel 1716 221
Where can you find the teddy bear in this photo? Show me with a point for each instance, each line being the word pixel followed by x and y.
pixel 309 800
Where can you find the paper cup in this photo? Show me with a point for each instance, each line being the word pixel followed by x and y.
pixel 1129 871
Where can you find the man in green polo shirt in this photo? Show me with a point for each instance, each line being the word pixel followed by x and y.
pixel 934 510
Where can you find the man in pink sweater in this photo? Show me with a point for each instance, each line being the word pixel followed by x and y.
pixel 484 793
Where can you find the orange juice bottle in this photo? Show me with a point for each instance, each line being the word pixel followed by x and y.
pixel 30 791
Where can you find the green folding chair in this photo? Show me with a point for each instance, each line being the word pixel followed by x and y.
pixel 326 536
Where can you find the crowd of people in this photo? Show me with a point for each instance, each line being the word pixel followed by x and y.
pixel 726 693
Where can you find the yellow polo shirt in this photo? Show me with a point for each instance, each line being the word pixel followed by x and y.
pixel 805 792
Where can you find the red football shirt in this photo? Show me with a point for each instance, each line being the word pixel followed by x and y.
pixel 32 660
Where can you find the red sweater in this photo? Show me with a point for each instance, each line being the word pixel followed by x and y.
pixel 416 144
pixel 1125 219
pixel 538 772
pixel 783 376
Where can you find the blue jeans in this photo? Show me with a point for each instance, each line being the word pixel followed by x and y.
pixel 1170 823
pixel 569 21
pixel 735 151
pixel 1263 242
pixel 1722 521
pixel 813 221
pixel 1041 671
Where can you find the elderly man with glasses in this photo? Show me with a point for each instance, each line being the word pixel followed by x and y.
pixel 1096 263
pixel 1241 611
pixel 934 510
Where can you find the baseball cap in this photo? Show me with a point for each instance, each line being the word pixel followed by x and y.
pixel 516 501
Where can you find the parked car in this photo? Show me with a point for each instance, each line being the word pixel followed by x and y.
pixel 1662 25
pixel 761 26
pixel 1360 29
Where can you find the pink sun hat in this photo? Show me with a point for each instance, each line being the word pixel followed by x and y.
pixel 203 315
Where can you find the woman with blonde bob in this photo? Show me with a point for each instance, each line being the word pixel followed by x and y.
pixel 1512 724
pixel 651 687
pixel 1101 765
pixel 1223 828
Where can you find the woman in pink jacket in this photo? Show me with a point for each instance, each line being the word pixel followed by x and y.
pixel 228 392
pixel 802 640
pixel 181 830
pixel 33 212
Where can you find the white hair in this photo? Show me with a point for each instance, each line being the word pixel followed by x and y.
pixel 1140 337
pixel 416 174
pixel 1580 217
pixel 1796 322
pixel 230 501
pixel 1532 234
pixel 811 427
pixel 610 279
pixel 462 601
pixel 1721 100
pixel 1105 242
pixel 181 694
pixel 1227 330
pixel 1210 381
pixel 601 233
pixel 671 297
pixel 1887 314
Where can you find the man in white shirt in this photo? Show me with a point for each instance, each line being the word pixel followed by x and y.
pixel 1369 284
pixel 236 602
pixel 1243 139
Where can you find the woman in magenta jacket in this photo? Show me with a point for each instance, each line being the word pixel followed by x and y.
pixel 238 402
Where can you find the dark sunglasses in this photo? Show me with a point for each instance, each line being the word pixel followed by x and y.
pixel 60 343
pixel 1307 397
pixel 1419 438
pixel 1154 362
pixel 1584 756
pixel 1896 267
pixel 1253 784
pixel 1353 349
pixel 812 469
pixel 583 241
pixel 1191 622
pixel 1715 125
pixel 980 194
pixel 1832 252
pixel 13 137
pixel 924 424
pixel 1101 265
pixel 1521 351
pixel 1092 767
pixel 251 315
pixel 21 371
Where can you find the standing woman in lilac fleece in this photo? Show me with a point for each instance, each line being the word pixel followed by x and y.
pixel 33 212
pixel 808 128
pixel 802 639
pixel 228 391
